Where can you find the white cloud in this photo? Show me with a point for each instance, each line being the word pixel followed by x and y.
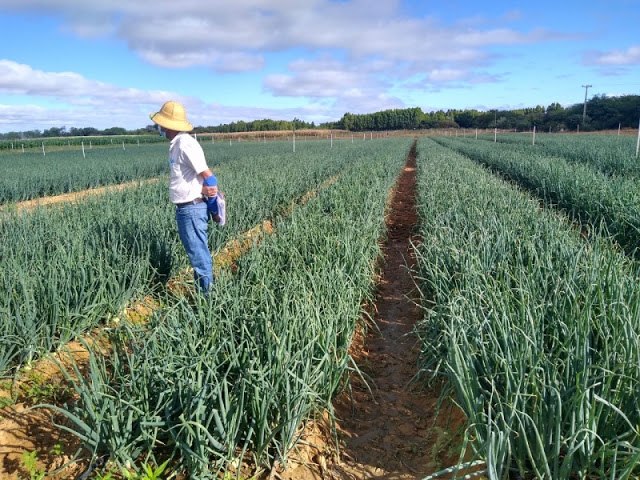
pixel 12 116
pixel 20 79
pixel 224 62
pixel 76 101
pixel 630 56
pixel 346 87
pixel 446 75
pixel 234 36
pixel 438 79
pixel 17 118
pixel 81 101
pixel 361 51
pixel 319 78
pixel 215 114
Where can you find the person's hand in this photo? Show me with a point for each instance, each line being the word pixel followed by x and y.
pixel 209 191
pixel 210 186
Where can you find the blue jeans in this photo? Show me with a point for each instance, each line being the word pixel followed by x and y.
pixel 192 221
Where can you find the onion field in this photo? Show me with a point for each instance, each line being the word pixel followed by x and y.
pixel 527 268
pixel 534 326
pixel 237 371
pixel 32 175
pixel 594 199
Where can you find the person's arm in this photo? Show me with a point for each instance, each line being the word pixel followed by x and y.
pixel 195 156
pixel 208 191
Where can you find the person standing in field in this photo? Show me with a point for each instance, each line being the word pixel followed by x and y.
pixel 189 180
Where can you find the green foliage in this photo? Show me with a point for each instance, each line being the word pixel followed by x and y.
pixel 397 119
pixel 57 449
pixel 596 180
pixel 57 138
pixel 65 269
pixel 148 472
pixel 62 171
pixel 36 388
pixel 534 326
pixel 230 377
pixel 258 126
pixel 603 113
pixel 6 401
pixel 30 464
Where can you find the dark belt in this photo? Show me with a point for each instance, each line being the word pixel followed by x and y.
pixel 192 202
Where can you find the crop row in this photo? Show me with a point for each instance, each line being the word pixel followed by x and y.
pixel 534 328
pixel 32 175
pixel 610 154
pixel 66 269
pixel 590 197
pixel 231 377
pixel 26 144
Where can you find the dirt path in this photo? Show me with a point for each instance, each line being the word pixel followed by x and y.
pixel 79 195
pixel 393 432
pixel 389 429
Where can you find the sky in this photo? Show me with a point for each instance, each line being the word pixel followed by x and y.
pixel 110 63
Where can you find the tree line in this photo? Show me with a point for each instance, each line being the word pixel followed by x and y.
pixel 265 125
pixel 601 113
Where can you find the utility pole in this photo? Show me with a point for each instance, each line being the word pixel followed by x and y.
pixel 584 110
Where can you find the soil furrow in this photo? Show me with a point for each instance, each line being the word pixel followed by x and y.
pixel 391 430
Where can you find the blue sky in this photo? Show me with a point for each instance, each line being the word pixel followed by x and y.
pixel 110 63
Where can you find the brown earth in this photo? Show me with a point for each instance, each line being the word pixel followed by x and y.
pixel 394 431
pixel 24 430
pixel 78 196
pixel 386 427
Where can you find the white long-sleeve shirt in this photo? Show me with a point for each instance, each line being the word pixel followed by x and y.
pixel 186 162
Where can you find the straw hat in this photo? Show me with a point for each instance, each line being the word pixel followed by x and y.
pixel 172 116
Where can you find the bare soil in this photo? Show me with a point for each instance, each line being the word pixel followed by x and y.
pixel 386 425
pixel 74 197
pixel 25 430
